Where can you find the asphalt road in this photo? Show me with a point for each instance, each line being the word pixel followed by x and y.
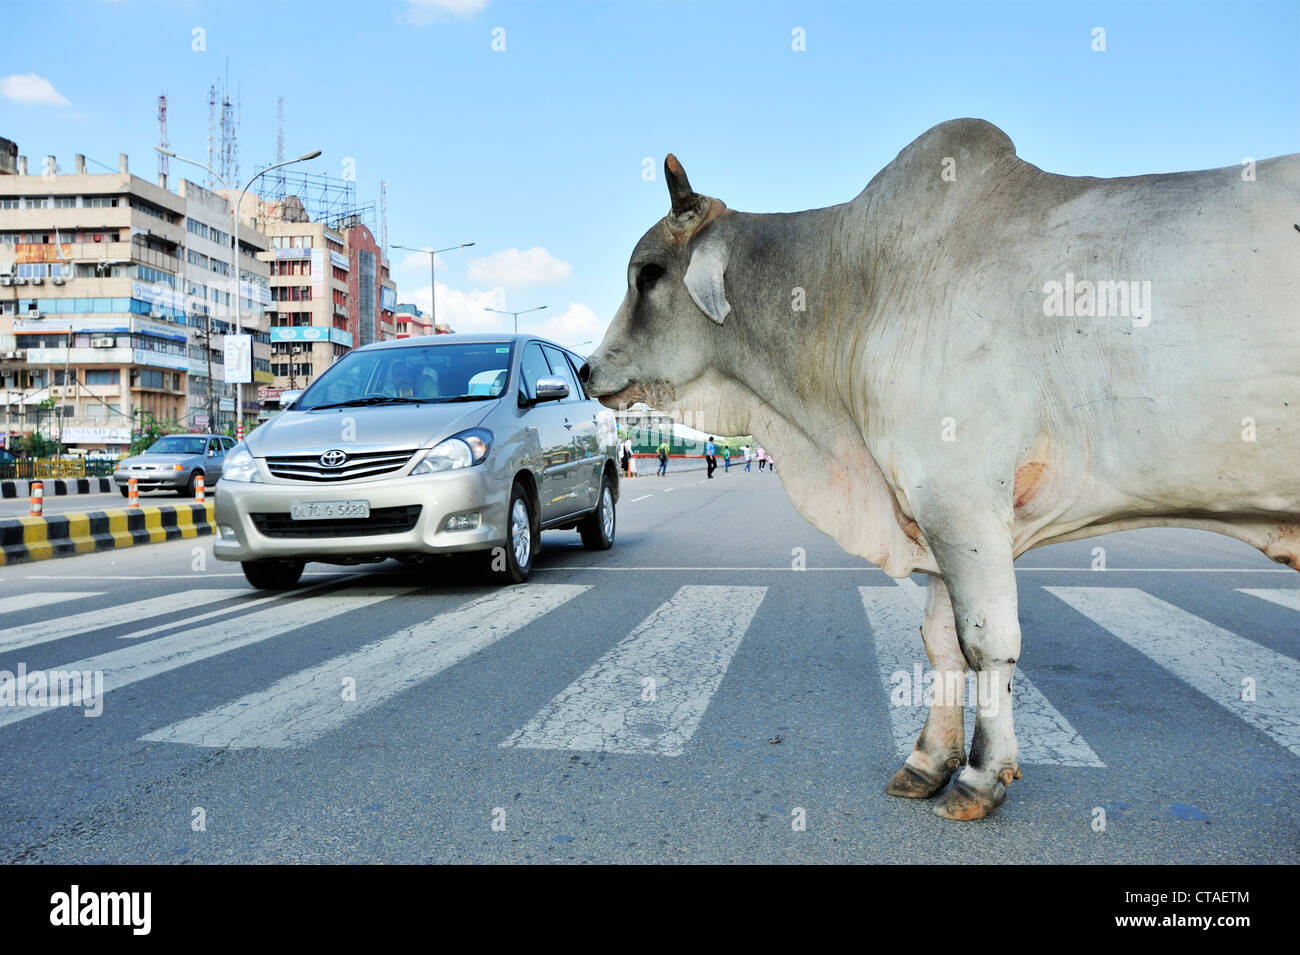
pixel 62 503
pixel 687 696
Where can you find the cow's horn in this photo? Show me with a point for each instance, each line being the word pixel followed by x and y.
pixel 679 187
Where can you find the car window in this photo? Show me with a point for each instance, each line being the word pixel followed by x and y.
pixel 443 372
pixel 533 366
pixel 575 363
pixel 560 369
pixel 215 445
pixel 175 444
pixel 228 443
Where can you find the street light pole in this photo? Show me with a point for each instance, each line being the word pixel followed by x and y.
pixel 433 280
pixel 516 315
pixel 234 255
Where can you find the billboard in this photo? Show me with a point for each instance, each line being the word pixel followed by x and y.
pixel 42 251
pixel 238 358
pixel 310 333
pixel 388 299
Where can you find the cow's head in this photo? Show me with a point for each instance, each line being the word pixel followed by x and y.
pixel 664 335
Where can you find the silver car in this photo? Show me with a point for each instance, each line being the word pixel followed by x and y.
pixel 174 463
pixel 446 444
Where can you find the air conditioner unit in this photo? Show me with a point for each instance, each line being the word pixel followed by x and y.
pixel 6 280
pixel 36 280
pixel 56 280
pixel 19 280
pixel 100 341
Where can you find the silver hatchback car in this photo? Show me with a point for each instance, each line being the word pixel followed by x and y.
pixel 446 444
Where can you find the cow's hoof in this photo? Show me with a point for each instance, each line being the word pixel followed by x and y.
pixel 963 803
pixel 911 783
pixel 1009 774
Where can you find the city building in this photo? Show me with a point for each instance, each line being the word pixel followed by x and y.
pixel 104 283
pixel 412 322
pixel 330 289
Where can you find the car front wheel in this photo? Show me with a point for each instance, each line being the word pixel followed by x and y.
pixel 513 563
pixel 272 574
pixel 597 528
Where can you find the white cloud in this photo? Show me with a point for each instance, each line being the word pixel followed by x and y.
pixel 571 328
pixel 424 12
pixel 511 268
pixel 30 89
pixel 463 311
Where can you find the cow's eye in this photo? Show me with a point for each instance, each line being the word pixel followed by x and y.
pixel 648 276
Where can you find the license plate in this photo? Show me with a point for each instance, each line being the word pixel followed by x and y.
pixel 328 510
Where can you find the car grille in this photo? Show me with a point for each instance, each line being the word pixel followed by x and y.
pixel 382 520
pixel 361 464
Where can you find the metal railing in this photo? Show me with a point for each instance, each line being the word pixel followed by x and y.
pixel 35 469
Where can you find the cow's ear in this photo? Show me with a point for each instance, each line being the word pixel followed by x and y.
pixel 704 279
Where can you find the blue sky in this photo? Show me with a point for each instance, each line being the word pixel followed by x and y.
pixel 539 148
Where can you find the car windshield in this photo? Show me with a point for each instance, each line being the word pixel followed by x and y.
pixel 412 374
pixel 176 444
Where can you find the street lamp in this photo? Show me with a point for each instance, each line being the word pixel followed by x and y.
pixel 433 284
pixel 234 254
pixel 516 315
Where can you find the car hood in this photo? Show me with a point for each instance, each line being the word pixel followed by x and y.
pixel 383 426
pixel 165 461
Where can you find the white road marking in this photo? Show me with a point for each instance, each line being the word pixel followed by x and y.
pixel 28 601
pixel 232 609
pixel 57 628
pixel 669 490
pixel 1217 662
pixel 1045 735
pixel 641 498
pixel 684 647
pixel 306 705
pixel 140 661
pixel 1283 598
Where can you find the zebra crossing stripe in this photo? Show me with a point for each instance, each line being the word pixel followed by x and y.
pixel 1046 736
pixel 57 628
pixel 1283 598
pixel 306 705
pixel 1217 662
pixel 140 661
pixel 30 601
pixel 648 694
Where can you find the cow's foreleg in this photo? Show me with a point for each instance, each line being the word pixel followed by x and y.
pixel 941 748
pixel 982 585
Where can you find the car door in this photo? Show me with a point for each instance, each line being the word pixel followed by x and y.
pixel 554 444
pixel 580 496
pixel 215 459
pixel 588 459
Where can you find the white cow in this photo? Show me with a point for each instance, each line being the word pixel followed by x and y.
pixel 975 357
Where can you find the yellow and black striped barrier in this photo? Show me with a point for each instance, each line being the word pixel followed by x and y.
pixel 25 539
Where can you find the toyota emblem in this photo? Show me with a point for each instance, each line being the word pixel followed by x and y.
pixel 333 459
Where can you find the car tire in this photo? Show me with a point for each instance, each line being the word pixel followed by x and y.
pixel 513 563
pixel 191 486
pixel 126 491
pixel 272 574
pixel 598 527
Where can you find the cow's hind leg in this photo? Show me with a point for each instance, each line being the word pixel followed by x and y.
pixel 941 747
pixel 977 566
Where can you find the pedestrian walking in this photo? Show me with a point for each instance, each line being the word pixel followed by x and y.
pixel 726 459
pixel 744 449
pixel 762 458
pixel 663 459
pixel 771 463
pixel 711 456
pixel 627 457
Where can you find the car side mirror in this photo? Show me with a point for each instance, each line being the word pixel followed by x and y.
pixel 552 389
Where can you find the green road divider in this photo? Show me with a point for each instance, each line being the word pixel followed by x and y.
pixel 26 539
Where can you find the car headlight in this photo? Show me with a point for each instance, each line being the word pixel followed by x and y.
pixel 240 466
pixel 463 450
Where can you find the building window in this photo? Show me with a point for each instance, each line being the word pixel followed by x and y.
pixel 101 376
pixel 65 202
